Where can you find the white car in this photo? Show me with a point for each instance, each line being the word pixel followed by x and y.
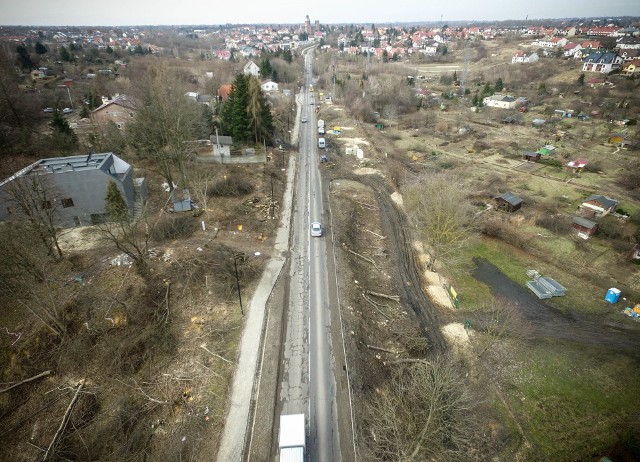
pixel 316 229
pixel 67 110
pixel 303 120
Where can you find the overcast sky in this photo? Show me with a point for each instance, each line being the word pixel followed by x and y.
pixel 161 12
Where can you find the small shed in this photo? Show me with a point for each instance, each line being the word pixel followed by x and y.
pixel 530 156
pixel 577 165
pixel 221 145
pixel 509 202
pixel 547 150
pixel 585 228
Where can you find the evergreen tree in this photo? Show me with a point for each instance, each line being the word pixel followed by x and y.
pixel 40 48
pixel 246 115
pixel 23 58
pixel 115 205
pixel 235 120
pixel 287 56
pixel 64 54
pixel 63 137
pixel 499 85
pixel 265 67
pixel 581 79
pixel 259 111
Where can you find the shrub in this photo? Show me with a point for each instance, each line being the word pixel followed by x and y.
pixel 551 162
pixel 174 227
pixel 554 223
pixel 230 187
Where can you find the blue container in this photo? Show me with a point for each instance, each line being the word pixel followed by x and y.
pixel 613 295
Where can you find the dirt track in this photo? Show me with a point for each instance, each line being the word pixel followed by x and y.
pixel 546 322
pixel 394 223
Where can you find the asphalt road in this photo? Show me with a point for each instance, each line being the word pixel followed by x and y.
pixel 308 382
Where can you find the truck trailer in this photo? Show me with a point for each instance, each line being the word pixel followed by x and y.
pixel 292 440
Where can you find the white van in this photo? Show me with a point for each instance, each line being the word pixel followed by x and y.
pixel 322 143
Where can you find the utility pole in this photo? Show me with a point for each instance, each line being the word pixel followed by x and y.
pixel 271 213
pixel 235 266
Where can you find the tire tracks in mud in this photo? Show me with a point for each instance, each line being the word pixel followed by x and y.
pixel 400 246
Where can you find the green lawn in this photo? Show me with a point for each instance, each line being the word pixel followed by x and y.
pixel 572 401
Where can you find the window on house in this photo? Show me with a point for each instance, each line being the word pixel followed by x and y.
pixel 67 203
pixel 46 205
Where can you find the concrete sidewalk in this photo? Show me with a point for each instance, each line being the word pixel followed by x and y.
pixel 236 427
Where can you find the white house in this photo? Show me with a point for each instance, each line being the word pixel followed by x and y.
pixel 522 57
pixel 500 101
pixel 571 48
pixel 251 68
pixel 269 85
pixel 602 61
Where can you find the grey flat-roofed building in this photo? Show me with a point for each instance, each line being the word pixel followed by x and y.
pixel 78 186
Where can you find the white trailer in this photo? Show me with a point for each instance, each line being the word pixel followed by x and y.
pixel 292 440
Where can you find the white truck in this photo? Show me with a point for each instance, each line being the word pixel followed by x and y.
pixel 322 143
pixel 321 127
pixel 292 440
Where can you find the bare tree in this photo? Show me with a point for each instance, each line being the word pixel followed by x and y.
pixel 424 413
pixel 497 319
pixel 165 122
pixel 202 179
pixel 442 216
pixel 34 199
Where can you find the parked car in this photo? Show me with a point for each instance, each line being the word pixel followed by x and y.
pixel 48 110
pixel 317 229
pixel 67 110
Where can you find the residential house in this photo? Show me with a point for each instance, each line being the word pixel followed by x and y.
pixel 429 48
pixel 577 165
pixel 530 156
pixel 584 227
pixel 631 68
pixel 269 86
pixel 78 187
pixel 118 110
pixel 629 55
pixel 603 31
pixel 500 101
pixel 201 98
pixel 559 42
pixel 628 43
pixel 224 91
pixel 591 45
pixel 509 202
pixel 602 61
pixel 597 206
pixel 522 57
pixel 570 49
pixel 251 68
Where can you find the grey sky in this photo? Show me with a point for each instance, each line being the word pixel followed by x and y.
pixel 160 12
